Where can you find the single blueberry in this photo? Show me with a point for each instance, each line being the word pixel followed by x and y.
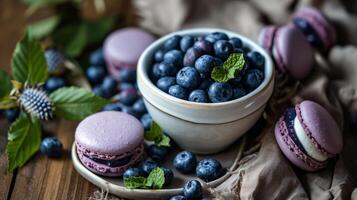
pixel 174 57
pixel 133 172
pixel 236 42
pixel 109 86
pixel 51 147
pixel 148 166
pixel 164 69
pixel 209 169
pixel 222 49
pixel 253 78
pixel 129 110
pixel 99 91
pixel 205 46
pixel 172 43
pixel 139 107
pixel 256 59
pixel 220 92
pixel 97 57
pixel 188 77
pixel 239 92
pixel 159 55
pixel 113 107
pixel 205 83
pixel 178 197
pixel 205 64
pixel 146 121
pixel 185 162
pixel 215 36
pixel 155 72
pixel 157 153
pixel 11 114
pixel 127 76
pixel 192 190
pixel 128 96
pixel 169 175
pixel 186 42
pixel 95 74
pixel 165 83
pixel 191 56
pixel 178 92
pixel 198 96
pixel 54 83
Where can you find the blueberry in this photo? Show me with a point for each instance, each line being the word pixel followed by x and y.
pixel 236 42
pixel 98 91
pixel 205 64
pixel 222 49
pixel 253 78
pixel 164 69
pixel 95 74
pixel 155 72
pixel 146 121
pixel 97 58
pixel 127 76
pixel 239 92
pixel 220 92
pixel 128 96
pixel 165 83
pixel 54 83
pixel 51 147
pixel 129 110
pixel 11 114
pixel 159 55
pixel 178 197
pixel 209 169
pixel 185 162
pixel 169 175
pixel 172 43
pixel 188 77
pixel 139 107
pixel 198 96
pixel 215 36
pixel 256 59
pixel 192 190
pixel 124 86
pixel 109 86
pixel 113 107
pixel 157 153
pixel 148 166
pixel 174 57
pixel 186 42
pixel 178 92
pixel 133 171
pixel 191 56
pixel 205 46
pixel 205 83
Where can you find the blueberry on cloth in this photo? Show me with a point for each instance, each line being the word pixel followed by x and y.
pixel 51 147
pixel 185 162
pixel 192 190
pixel 209 169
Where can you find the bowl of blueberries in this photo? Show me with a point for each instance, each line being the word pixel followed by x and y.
pixel 205 87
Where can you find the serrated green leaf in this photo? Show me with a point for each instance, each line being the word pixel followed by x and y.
pixel 75 103
pixel 73 38
pixel 219 74
pixel 102 27
pixel 28 61
pixel 44 27
pixel 164 141
pixel 5 86
pixel 156 178
pixel 154 133
pixel 135 182
pixel 6 102
pixel 24 140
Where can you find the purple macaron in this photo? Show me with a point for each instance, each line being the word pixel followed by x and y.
pixel 289 49
pixel 308 136
pixel 316 28
pixel 123 48
pixel 109 142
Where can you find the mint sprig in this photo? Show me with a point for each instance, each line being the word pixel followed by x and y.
pixel 231 67
pixel 155 180
pixel 156 135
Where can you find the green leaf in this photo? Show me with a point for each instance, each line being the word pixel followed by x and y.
pixel 5 86
pixel 75 103
pixel 24 140
pixel 135 182
pixel 154 133
pixel 6 102
pixel 44 27
pixel 28 61
pixel 219 74
pixel 231 67
pixel 164 141
pixel 73 38
pixel 156 178
pixel 102 27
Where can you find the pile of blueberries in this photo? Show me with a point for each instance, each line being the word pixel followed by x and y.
pixel 122 90
pixel 183 66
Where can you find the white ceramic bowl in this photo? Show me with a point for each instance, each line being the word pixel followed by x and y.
pixel 203 128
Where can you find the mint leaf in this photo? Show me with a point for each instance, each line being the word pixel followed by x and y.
pixel 156 178
pixel 28 61
pixel 44 27
pixel 75 103
pixel 163 142
pixel 231 67
pixel 155 132
pixel 24 140
pixel 219 74
pixel 5 86
pixel 135 182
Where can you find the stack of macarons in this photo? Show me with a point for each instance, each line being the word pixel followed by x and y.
pixel 308 135
pixel 292 46
pixel 109 142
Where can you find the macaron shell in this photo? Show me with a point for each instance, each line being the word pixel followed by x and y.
pixel 109 132
pixel 266 37
pixel 322 127
pixel 293 51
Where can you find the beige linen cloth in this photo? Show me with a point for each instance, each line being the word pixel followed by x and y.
pixel 265 173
